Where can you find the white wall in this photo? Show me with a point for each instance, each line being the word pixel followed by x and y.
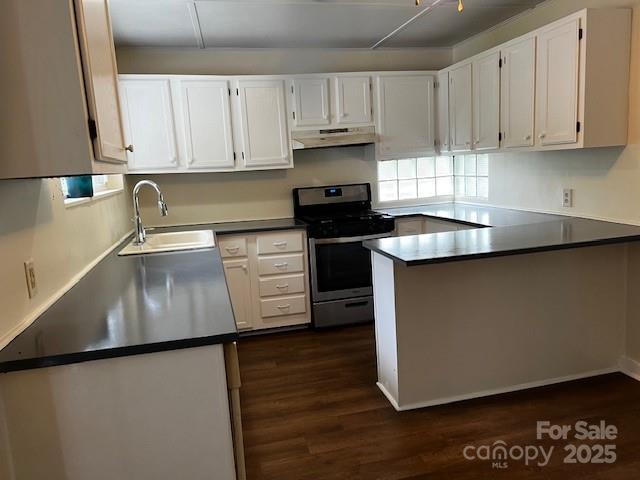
pixel 34 223
pixel 277 61
pixel 217 197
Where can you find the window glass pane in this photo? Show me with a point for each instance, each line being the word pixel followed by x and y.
pixel 483 187
pixel 388 191
pixel 444 166
pixel 407 168
pixel 483 165
pixel 387 170
pixel 460 186
pixel 426 187
pixel 459 165
pixel 469 164
pixel 426 167
pixel 444 186
pixel 470 186
pixel 407 189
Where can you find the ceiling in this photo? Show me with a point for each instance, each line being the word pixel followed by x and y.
pixel 305 23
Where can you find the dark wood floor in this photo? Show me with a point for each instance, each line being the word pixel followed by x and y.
pixel 311 410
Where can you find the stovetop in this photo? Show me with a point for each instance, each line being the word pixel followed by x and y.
pixel 348 224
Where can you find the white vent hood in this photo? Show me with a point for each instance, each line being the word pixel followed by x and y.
pixel 334 137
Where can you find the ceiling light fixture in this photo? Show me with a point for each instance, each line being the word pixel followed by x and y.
pixel 460 6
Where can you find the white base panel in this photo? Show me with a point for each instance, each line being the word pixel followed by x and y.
pixel 630 367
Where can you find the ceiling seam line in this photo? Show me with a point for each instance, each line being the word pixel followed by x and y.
pixel 406 24
pixel 195 22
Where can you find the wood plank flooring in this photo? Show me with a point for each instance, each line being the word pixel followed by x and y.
pixel 312 411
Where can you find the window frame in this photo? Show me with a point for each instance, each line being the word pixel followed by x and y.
pixel 112 185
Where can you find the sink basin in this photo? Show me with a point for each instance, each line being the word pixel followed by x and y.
pixel 171 242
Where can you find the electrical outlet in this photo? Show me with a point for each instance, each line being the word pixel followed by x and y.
pixel 567 197
pixel 30 272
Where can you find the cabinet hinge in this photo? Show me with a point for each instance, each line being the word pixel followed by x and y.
pixel 243 155
pixel 499 136
pixel 578 127
pixel 234 155
pixel 436 84
pixel 93 129
pixel 237 92
pixel 294 115
pixel 229 92
pixel 291 89
pixel 500 63
pixel 580 34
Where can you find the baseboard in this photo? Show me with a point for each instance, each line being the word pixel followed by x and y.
pixel 497 391
pixel 386 393
pixel 630 367
pixel 31 317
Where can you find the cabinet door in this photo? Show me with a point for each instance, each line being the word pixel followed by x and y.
pixel 236 273
pixel 518 93
pixel 264 137
pixel 486 101
pixel 460 108
pixel 353 97
pixel 558 63
pixel 101 78
pixel 149 124
pixel 443 137
pixel 207 124
pixel 311 99
pixel 406 115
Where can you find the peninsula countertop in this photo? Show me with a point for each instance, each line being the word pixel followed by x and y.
pixel 137 304
pixel 510 232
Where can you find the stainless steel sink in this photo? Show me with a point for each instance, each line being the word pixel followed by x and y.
pixel 171 242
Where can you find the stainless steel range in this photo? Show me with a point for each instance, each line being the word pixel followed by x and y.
pixel 339 219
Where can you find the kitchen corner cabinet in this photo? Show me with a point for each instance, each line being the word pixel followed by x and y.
pixel 73 76
pixel 550 92
pixel 443 137
pixel 268 277
pixel 405 115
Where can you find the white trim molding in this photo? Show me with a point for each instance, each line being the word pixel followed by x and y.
pixel 630 367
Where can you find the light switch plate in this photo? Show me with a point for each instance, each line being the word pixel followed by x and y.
pixel 30 273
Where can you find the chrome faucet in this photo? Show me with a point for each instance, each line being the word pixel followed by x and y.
pixel 140 232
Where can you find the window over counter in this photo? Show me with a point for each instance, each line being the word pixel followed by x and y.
pixel 471 173
pixel 407 180
pixel 83 189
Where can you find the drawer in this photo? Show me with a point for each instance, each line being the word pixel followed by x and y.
pixel 232 247
pixel 278 307
pixel 281 264
pixel 282 285
pixel 279 242
pixel 409 227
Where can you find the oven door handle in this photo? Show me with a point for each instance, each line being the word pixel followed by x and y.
pixel 359 238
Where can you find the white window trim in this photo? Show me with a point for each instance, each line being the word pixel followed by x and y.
pixel 115 186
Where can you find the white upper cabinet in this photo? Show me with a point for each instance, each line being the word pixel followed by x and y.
pixel 207 124
pixel 311 102
pixel 264 133
pixel 101 78
pixel 518 93
pixel 486 101
pixel 148 118
pixel 406 115
pixel 443 136
pixel 353 100
pixel 460 107
pixel 558 74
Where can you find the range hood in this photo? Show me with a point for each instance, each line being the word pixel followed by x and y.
pixel 334 137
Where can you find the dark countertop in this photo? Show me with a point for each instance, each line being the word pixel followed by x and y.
pixel 474 215
pixel 477 243
pixel 228 228
pixel 137 304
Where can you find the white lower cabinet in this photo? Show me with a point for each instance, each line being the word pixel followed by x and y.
pixel 420 225
pixel 268 277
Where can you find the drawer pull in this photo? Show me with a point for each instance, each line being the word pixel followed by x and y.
pixel 281 265
pixel 279 244
pixel 357 304
pixel 282 287
pixel 232 249
pixel 283 307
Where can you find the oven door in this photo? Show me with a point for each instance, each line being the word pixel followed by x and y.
pixel 340 267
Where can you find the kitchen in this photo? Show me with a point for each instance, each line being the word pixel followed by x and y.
pixel 552 221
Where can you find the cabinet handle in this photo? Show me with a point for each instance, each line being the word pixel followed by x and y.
pixel 542 135
pixel 279 244
pixel 282 287
pixel 281 265
pixel 476 142
pixel 174 160
pixel 244 267
pixel 283 307
pixel 232 249
pixel 528 137
pixel 129 148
